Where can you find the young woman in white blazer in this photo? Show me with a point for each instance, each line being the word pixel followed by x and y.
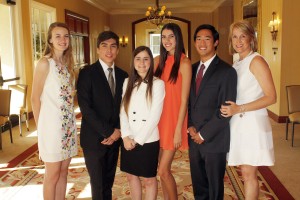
pixel 143 96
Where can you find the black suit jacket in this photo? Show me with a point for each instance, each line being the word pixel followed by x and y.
pixel 218 85
pixel 100 110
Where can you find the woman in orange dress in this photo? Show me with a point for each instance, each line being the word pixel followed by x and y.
pixel 174 68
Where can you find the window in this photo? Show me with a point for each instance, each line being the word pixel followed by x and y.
pixel 11 66
pixel 6 40
pixel 41 18
pixel 79 28
pixel 155 44
pixel 78 50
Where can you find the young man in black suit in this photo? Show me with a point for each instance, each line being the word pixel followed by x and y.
pixel 99 92
pixel 212 84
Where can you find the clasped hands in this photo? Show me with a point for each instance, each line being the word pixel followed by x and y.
pixel 129 143
pixel 111 139
pixel 194 135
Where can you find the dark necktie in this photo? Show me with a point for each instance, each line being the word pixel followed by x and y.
pixel 111 81
pixel 199 77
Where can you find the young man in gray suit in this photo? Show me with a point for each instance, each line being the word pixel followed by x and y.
pixel 213 83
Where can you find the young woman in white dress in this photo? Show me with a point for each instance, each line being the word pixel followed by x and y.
pixel 251 142
pixel 52 104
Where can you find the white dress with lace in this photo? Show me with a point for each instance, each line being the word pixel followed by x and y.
pixel 57 139
pixel 251 141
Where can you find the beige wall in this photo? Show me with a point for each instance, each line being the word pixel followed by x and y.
pixel 122 25
pixel 283 64
pixel 290 29
pixel 274 60
pixel 222 18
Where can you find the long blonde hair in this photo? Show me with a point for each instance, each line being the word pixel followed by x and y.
pixel 67 55
pixel 247 29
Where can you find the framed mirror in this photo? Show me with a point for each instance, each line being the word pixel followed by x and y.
pixel 145 33
pixel 252 13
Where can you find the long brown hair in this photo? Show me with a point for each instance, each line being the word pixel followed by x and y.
pixel 67 55
pixel 179 49
pixel 135 79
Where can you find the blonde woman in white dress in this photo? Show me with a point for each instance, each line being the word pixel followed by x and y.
pixel 53 110
pixel 251 142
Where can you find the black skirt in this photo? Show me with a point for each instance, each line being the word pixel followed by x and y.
pixel 140 161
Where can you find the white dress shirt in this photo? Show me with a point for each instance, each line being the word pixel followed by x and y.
pixel 105 67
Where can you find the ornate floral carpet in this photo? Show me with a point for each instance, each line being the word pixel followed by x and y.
pixel 23 178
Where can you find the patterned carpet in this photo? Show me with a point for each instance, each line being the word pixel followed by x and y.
pixel 24 176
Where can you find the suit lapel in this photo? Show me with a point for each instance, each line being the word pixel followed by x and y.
pixel 208 74
pixel 103 77
pixel 119 85
pixel 194 72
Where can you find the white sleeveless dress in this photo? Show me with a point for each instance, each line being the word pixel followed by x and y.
pixel 251 141
pixel 57 139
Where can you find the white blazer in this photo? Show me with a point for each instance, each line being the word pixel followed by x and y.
pixel 143 117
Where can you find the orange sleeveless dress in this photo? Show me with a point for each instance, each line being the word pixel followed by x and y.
pixel 170 113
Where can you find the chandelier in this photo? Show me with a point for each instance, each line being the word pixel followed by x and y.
pixel 156 15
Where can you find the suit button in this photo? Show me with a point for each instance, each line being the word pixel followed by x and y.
pixel 133 120
pixel 134 112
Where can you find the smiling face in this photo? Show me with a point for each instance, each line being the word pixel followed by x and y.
pixel 142 63
pixel 241 42
pixel 60 39
pixel 205 45
pixel 108 51
pixel 168 40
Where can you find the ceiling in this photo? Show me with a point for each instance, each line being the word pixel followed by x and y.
pixel 114 7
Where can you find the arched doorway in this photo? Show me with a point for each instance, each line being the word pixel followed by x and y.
pixel 144 33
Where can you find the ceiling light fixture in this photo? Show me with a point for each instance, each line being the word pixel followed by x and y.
pixel 156 15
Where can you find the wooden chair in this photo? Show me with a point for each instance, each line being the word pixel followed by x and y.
pixel 293 101
pixel 18 103
pixel 4 113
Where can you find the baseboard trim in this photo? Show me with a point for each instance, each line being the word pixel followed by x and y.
pixel 276 118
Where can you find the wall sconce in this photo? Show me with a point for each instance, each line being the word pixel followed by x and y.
pixel 11 2
pixel 273 24
pixel 123 41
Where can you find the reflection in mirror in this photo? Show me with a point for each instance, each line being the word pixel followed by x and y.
pixel 251 13
pixel 145 33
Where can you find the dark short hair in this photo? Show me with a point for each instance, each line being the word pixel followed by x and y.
pixel 213 30
pixel 106 35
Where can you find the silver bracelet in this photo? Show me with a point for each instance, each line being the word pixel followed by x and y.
pixel 242 110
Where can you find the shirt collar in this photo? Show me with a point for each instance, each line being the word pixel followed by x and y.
pixel 207 63
pixel 105 66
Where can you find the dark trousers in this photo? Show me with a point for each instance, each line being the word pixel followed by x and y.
pixel 101 165
pixel 207 172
